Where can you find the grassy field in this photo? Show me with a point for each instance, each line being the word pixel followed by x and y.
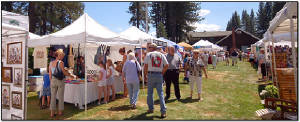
pixel 230 93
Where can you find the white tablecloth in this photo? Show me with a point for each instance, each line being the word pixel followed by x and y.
pixel 74 93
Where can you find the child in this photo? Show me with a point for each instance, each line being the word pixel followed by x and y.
pixel 46 90
pixel 102 82
pixel 110 80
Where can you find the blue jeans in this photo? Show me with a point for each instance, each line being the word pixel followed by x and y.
pixel 133 89
pixel 155 80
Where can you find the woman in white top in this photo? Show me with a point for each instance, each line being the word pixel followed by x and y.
pixel 110 80
pixel 122 52
pixel 214 60
pixel 102 82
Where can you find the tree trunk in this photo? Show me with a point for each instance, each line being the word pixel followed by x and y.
pixel 137 15
pixel 32 18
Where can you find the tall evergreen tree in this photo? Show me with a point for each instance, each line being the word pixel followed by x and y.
pixel 245 21
pixel 252 23
pixel 234 22
pixel 269 12
pixel 277 6
pixel 161 31
pixel 158 16
pixel 138 12
pixel 261 20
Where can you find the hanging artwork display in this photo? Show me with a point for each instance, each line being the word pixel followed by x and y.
pixel 16 99
pixel 6 75
pixel 14 53
pixel 5 96
pixel 17 77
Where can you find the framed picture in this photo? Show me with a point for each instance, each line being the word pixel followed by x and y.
pixel 6 74
pixel 14 53
pixel 16 99
pixel 18 73
pixel 14 117
pixel 5 92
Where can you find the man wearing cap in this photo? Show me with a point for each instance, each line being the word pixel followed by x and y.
pixel 155 65
pixel 172 74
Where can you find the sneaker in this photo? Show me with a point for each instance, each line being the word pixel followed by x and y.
pixel 99 103
pixel 163 115
pixel 150 111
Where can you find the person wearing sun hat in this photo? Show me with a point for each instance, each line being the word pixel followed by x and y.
pixel 195 65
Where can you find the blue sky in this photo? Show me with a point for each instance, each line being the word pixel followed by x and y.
pixel 114 16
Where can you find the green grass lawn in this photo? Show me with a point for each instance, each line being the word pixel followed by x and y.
pixel 229 93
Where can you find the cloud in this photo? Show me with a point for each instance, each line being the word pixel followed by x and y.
pixel 203 12
pixel 206 27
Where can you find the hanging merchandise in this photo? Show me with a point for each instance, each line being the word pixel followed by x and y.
pixel 71 57
pixel 101 54
pixel 40 57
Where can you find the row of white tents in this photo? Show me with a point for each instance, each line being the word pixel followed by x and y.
pixel 283 30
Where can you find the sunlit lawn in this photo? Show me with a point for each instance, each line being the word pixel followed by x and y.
pixel 230 93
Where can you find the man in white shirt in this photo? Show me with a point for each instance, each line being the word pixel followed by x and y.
pixel 155 65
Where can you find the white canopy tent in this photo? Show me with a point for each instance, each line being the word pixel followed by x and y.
pixel 285 23
pixel 86 32
pixel 84 29
pixel 206 45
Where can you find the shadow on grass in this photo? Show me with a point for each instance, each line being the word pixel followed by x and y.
pixel 188 100
pixel 120 108
pixel 142 116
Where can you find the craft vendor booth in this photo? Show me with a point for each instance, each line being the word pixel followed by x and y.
pixel 13 65
pixel 283 29
pixel 86 43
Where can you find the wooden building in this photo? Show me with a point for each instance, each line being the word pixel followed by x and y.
pixel 243 39
pixel 212 36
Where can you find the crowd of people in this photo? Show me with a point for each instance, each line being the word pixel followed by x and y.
pixel 161 67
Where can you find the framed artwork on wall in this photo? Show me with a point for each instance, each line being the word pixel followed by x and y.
pixel 16 99
pixel 14 53
pixel 6 75
pixel 17 77
pixel 5 93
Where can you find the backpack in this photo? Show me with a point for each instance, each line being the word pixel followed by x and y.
pixel 58 73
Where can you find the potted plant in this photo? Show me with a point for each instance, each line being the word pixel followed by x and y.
pixel 270 92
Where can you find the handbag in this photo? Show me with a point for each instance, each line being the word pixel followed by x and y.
pixel 139 73
pixel 58 73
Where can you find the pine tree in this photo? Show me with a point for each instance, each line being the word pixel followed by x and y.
pixel 138 12
pixel 252 23
pixel 245 21
pixel 269 13
pixel 161 31
pixel 261 20
pixel 277 6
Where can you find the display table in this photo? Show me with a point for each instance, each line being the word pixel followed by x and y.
pixel 74 93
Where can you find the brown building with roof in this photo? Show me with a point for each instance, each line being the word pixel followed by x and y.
pixel 243 39
pixel 212 36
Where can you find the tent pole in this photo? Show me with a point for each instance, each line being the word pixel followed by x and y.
pixel 26 75
pixel 142 65
pixel 275 73
pixel 294 52
pixel 85 72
